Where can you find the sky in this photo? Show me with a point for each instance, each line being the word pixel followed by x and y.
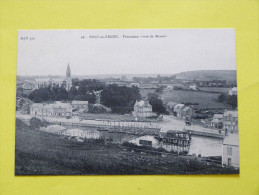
pixel 141 51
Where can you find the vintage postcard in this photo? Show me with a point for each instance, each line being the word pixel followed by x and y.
pixel 126 102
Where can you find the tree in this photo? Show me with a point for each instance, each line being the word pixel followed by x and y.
pixel 72 93
pixel 120 99
pixel 82 89
pixel 156 103
pixel 75 82
pixel 90 97
pixel 79 98
pixel 61 94
pixel 160 90
pixel 222 98
pixel 232 101
pixel 36 123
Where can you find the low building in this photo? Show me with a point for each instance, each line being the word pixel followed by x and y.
pixel 170 107
pixel 217 121
pixel 187 111
pixel 57 109
pixel 230 151
pixel 23 105
pixel 193 87
pixel 230 121
pixel 80 105
pixel 178 109
pixel 135 84
pixel 233 91
pixel 27 88
pixel 81 133
pixel 147 140
pixel 143 109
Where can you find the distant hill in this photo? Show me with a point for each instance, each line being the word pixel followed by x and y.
pixel 229 75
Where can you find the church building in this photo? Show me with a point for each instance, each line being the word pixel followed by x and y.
pixel 68 81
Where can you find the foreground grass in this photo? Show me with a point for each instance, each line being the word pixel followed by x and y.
pixel 39 153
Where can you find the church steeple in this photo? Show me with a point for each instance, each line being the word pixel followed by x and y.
pixel 68 72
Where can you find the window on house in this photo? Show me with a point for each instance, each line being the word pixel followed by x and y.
pixel 229 150
pixel 229 162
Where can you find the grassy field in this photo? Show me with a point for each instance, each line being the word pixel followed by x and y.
pixel 38 153
pixel 209 75
pixel 216 89
pixel 204 99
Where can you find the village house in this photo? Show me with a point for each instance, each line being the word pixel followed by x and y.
pixel 170 107
pixel 143 109
pixel 46 82
pixel 135 84
pixel 230 121
pixel 217 121
pixel 81 106
pixel 178 109
pixel 232 91
pixel 23 105
pixel 187 111
pixel 193 87
pixel 230 151
pixel 147 140
pixel 28 87
pixel 58 109
pixel 51 82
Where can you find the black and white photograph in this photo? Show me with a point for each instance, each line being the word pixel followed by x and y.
pixel 126 102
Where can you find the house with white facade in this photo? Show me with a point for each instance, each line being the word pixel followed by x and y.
pixel 147 140
pixel 143 109
pixel 193 87
pixel 178 109
pixel 57 109
pixel 230 151
pixel 217 121
pixel 232 91
pixel 230 120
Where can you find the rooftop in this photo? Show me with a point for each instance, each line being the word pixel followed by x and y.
pixel 218 116
pixel 231 113
pixel 142 103
pixel 186 108
pixel 79 102
pixel 180 105
pixel 231 139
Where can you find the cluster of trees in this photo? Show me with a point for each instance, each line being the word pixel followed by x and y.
pixel 156 103
pixel 49 94
pixel 228 99
pixel 36 123
pixel 80 90
pixel 120 99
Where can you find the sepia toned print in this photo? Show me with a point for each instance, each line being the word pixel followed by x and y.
pixel 126 102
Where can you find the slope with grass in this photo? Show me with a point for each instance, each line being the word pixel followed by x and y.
pixel 39 153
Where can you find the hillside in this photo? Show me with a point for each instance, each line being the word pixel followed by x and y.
pixel 229 75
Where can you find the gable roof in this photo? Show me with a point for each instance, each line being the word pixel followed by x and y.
pixel 79 102
pixel 171 104
pixel 231 113
pixel 142 103
pixel 179 105
pixel 218 116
